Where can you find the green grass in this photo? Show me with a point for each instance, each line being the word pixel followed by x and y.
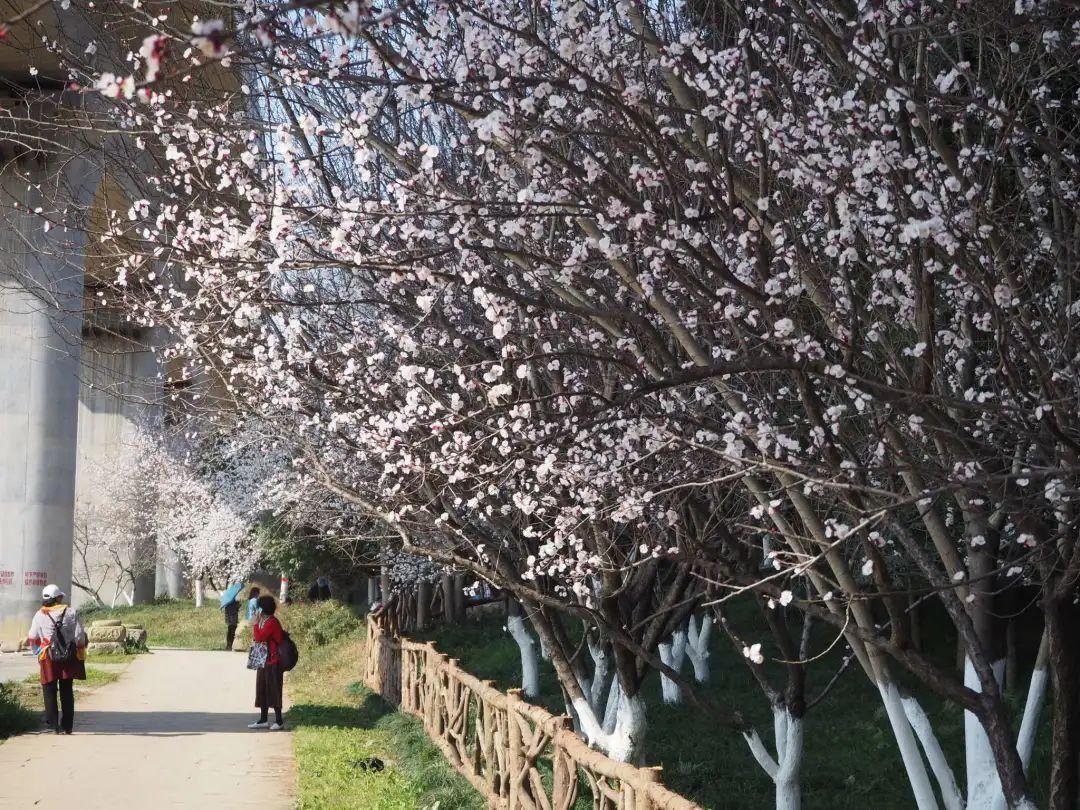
pixel 170 624
pixel 179 624
pixel 118 658
pixel 851 761
pixel 94 678
pixel 338 723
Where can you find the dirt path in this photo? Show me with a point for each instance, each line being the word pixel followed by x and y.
pixel 171 733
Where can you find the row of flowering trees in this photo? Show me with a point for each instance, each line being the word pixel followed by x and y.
pixel 188 501
pixel 634 308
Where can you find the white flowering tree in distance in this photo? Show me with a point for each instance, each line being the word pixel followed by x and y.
pixel 609 302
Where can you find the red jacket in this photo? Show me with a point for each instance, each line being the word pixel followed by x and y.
pixel 269 631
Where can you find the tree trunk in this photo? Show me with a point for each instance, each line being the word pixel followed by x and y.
pixel 697 646
pixel 423 604
pixel 1012 657
pixel 199 592
pixel 384 584
pixel 915 620
pixel 449 603
pixel 672 653
pixel 982 776
pixel 785 770
pixel 283 593
pixel 530 668
pixel 1061 624
pixel 459 597
pixel 918 778
pixel 372 591
pixel 951 796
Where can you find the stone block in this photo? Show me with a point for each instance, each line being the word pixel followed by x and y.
pixel 242 640
pixel 10 646
pixel 107 634
pixel 107 623
pixel 105 648
pixel 136 635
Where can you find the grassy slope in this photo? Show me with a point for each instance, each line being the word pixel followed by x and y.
pixel 170 624
pixel 336 722
pixel 851 759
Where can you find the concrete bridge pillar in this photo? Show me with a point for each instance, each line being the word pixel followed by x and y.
pixel 40 325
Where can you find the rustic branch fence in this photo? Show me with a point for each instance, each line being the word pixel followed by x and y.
pixel 517 755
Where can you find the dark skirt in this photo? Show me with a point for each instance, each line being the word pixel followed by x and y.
pixel 269 687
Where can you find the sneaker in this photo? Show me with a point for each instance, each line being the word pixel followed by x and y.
pixel 258 724
pixel 277 727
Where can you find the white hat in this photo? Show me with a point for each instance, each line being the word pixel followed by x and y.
pixel 50 592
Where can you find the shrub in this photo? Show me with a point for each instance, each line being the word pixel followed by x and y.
pixel 320 624
pixel 14 717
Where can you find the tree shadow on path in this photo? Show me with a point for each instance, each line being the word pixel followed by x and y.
pixel 163 724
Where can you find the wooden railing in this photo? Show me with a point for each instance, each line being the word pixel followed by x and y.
pixel 519 756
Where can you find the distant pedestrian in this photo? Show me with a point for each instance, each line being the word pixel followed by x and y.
pixel 270 678
pixel 252 604
pixel 319 590
pixel 58 640
pixel 232 618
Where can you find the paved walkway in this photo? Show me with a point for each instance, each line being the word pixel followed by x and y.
pixel 171 733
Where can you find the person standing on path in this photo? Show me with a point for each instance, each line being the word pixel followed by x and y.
pixel 253 604
pixel 232 618
pixel 57 677
pixel 270 680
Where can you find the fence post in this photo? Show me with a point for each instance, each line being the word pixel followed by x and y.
pixel 516 760
pixel 564 777
pixel 643 791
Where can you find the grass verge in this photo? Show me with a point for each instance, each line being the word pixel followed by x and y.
pixel 338 725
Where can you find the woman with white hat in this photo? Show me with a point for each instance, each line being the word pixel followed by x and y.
pixel 59 641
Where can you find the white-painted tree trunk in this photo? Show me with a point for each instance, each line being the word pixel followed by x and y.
pixel 786 768
pixel 530 668
pixel 1029 723
pixel 623 743
pixel 918 778
pixel 697 647
pixel 283 593
pixel 199 593
pixel 672 654
pixel 982 777
pixel 611 708
pixel 598 686
pixel 951 796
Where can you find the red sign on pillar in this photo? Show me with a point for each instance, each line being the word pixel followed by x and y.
pixel 35 578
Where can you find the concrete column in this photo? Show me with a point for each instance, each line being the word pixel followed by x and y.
pixel 120 392
pixel 173 573
pixel 161 585
pixel 40 326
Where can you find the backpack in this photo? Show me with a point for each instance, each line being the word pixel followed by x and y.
pixel 61 651
pixel 288 654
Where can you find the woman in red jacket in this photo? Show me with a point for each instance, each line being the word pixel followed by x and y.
pixel 269 681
